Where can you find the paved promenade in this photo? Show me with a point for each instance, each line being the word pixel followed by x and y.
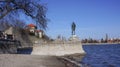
pixel 13 60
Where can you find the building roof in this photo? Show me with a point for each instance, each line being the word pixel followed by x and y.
pixel 31 25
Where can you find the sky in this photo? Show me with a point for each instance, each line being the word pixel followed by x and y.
pixel 93 18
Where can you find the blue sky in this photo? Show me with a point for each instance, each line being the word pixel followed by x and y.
pixel 94 18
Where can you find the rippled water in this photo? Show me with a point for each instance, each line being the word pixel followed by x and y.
pixel 102 55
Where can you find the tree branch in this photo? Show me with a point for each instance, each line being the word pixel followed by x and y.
pixel 35 10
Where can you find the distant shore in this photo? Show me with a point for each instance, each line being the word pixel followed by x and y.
pixel 99 43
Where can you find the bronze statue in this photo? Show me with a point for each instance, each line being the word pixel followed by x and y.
pixel 73 26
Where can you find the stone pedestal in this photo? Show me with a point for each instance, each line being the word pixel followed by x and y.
pixel 74 38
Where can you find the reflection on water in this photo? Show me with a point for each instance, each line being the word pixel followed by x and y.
pixel 102 55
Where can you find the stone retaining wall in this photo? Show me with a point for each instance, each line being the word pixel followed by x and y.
pixel 57 49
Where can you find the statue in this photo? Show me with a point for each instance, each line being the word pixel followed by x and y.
pixel 73 26
pixel 74 37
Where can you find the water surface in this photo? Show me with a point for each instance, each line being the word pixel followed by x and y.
pixel 102 55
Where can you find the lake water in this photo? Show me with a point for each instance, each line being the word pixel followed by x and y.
pixel 24 51
pixel 102 55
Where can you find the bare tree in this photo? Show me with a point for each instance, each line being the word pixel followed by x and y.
pixel 4 26
pixel 19 24
pixel 10 10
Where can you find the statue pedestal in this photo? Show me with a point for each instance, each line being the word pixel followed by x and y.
pixel 74 38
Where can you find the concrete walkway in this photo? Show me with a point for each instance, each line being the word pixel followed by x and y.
pixel 15 60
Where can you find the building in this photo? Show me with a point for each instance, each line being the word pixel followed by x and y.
pixel 9 33
pixel 39 33
pixel 34 31
pixel 32 28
